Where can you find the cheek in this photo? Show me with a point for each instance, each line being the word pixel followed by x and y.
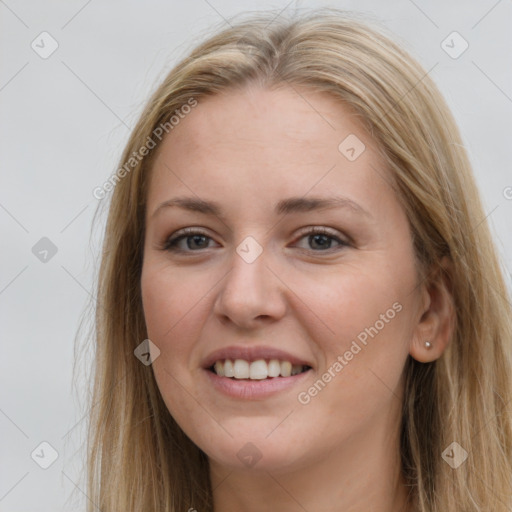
pixel 169 296
pixel 368 315
pixel 362 362
pixel 171 307
pixel 353 300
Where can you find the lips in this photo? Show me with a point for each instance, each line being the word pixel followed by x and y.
pixel 293 370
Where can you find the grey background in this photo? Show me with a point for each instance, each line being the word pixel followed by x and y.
pixel 64 122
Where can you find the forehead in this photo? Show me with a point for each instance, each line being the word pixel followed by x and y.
pixel 262 143
pixel 264 119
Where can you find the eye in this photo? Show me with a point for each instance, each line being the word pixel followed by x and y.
pixel 320 239
pixel 193 238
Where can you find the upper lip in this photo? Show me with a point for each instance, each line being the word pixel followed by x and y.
pixel 251 353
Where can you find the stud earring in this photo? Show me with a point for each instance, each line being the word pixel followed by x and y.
pixel 428 345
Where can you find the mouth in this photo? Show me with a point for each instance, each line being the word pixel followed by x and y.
pixel 249 372
pixel 261 369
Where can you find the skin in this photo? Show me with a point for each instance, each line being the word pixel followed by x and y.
pixel 247 150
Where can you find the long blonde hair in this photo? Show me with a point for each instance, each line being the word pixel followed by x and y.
pixel 138 457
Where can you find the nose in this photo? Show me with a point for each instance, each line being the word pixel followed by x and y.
pixel 251 294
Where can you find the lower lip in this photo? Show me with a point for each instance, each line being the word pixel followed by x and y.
pixel 254 389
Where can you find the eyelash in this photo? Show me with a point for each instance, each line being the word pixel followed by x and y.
pixel 171 242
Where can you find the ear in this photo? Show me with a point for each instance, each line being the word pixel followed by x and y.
pixel 437 315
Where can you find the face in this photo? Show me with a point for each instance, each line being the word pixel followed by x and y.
pixel 262 273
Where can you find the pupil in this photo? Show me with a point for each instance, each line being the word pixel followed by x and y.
pixel 197 238
pixel 324 237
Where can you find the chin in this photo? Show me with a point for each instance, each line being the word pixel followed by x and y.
pixel 248 453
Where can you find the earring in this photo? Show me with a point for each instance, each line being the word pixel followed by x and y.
pixel 428 345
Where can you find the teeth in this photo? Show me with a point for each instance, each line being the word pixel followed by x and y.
pixel 219 368
pixel 286 369
pixel 256 370
pixel 274 368
pixel 241 369
pixel 296 368
pixel 229 371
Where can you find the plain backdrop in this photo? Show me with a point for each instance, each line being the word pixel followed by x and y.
pixel 64 120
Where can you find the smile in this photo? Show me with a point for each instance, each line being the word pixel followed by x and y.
pixel 256 370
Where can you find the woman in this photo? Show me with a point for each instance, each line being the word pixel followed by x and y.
pixel 301 304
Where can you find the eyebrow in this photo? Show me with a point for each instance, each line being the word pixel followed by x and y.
pixel 285 206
